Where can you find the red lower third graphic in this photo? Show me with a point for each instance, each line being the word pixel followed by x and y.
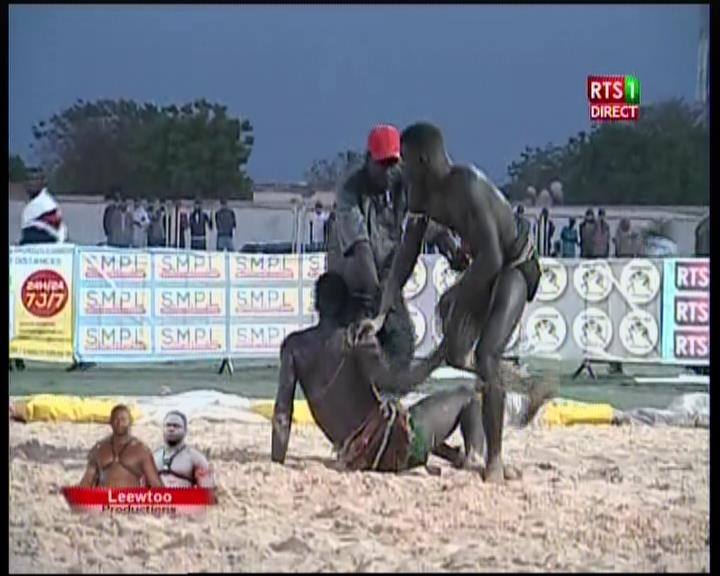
pixel 140 500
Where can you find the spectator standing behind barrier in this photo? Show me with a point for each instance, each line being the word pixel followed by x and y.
pixel 702 237
pixel 111 207
pixel 121 227
pixel 156 230
pixel 601 236
pixel 521 222
pixel 225 224
pixel 199 223
pixel 544 231
pixel 329 223
pixel 141 222
pixel 317 221
pixel 41 218
pixel 626 241
pixel 587 231
pixel 569 240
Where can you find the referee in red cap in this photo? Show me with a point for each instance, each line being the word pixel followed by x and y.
pixel 367 229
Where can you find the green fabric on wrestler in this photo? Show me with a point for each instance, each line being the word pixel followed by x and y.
pixel 419 449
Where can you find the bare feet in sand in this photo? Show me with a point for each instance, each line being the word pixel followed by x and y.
pixel 497 473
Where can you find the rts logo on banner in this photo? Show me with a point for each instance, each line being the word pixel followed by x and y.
pixel 614 98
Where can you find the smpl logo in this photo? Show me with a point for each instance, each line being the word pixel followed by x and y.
pixel 613 98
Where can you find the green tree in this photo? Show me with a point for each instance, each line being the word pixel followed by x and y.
pixel 18 170
pixel 327 174
pixel 170 152
pixel 662 159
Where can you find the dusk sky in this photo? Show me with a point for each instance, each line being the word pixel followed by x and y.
pixel 313 80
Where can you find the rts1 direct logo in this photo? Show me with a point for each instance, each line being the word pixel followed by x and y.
pixel 614 98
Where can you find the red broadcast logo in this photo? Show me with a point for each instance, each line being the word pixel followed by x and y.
pixel 44 293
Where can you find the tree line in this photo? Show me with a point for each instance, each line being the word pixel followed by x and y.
pixel 198 149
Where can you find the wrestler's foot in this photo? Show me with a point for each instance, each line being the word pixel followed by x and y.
pixel 538 393
pixel 494 472
pixel 497 472
pixel 471 461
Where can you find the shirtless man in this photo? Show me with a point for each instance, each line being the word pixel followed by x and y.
pixel 366 231
pixel 341 376
pixel 482 309
pixel 120 460
pixel 179 465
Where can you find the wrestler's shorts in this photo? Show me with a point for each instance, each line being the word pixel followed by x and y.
pixel 419 449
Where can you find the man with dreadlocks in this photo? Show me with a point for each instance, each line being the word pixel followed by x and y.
pixel 342 378
pixel 179 465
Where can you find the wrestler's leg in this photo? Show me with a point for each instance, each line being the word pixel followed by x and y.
pixel 437 416
pixel 507 305
pixel 462 309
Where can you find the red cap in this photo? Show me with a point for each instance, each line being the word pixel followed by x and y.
pixel 384 143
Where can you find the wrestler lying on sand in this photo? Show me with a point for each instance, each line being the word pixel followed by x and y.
pixel 120 460
pixel 342 376
pixel 480 312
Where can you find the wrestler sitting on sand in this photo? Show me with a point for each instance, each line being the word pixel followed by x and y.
pixel 120 460
pixel 180 465
pixel 482 309
pixel 342 375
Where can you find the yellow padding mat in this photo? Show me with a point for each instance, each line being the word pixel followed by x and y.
pixel 301 411
pixel 56 408
pixel 569 414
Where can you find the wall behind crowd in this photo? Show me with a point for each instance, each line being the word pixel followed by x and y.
pixel 258 223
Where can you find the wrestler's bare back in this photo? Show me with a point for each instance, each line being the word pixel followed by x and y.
pixel 338 395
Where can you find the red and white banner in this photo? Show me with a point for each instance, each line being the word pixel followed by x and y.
pixel 139 500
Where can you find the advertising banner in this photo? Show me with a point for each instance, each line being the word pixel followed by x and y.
pixel 686 311
pixel 594 309
pixel 149 305
pixel 118 305
pixel 41 303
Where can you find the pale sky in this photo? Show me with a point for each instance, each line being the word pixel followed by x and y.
pixel 314 79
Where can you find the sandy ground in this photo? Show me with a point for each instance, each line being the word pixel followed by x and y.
pixel 592 498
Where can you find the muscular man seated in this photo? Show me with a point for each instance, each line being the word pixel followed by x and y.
pixel 120 460
pixel 342 377
pixel 180 465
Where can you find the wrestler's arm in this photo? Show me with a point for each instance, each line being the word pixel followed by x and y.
pixel 201 471
pixel 90 477
pixel 351 229
pixel 149 469
pixel 403 262
pixel 440 236
pixel 377 370
pixel 282 413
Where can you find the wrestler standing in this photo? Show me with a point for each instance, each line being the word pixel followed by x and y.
pixel 480 312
